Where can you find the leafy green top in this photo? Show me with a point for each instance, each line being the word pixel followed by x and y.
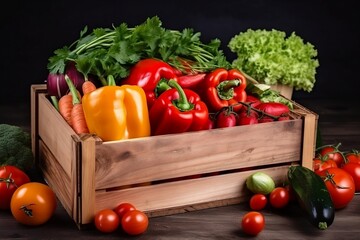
pixel 113 51
pixel 271 58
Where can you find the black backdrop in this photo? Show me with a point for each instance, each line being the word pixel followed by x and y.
pixel 32 30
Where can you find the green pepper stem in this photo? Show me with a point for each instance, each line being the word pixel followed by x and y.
pixel 225 89
pixel 161 87
pixel 111 80
pixel 182 103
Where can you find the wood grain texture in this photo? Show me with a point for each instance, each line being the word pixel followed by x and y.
pixel 142 170
pixel 338 122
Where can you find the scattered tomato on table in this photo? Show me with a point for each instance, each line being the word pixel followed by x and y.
pixel 353 156
pixel 106 220
pixel 134 222
pixel 340 185
pixel 279 197
pixel 258 201
pixel 332 152
pixel 33 203
pixel 11 177
pixel 253 223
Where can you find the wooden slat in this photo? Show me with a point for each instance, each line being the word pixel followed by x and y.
pixel 86 176
pixel 56 178
pixel 169 156
pixel 54 130
pixel 180 194
pixel 35 90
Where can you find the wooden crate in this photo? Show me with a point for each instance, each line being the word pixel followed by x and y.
pixel 165 174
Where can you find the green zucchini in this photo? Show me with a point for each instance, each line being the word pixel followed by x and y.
pixel 312 195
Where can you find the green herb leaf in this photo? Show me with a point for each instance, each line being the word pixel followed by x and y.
pixel 270 58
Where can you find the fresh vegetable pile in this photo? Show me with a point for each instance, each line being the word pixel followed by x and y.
pixel 126 82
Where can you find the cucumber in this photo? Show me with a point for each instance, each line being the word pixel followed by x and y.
pixel 312 195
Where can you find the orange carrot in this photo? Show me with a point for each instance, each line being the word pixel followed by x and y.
pixel 65 107
pixel 77 113
pixel 78 119
pixel 88 87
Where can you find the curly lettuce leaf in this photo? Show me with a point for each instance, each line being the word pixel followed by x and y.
pixel 271 58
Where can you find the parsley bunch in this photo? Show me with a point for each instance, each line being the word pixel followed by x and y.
pixel 107 51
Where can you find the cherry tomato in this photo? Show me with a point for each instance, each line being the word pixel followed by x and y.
pixel 354 170
pixel 106 220
pixel 33 203
pixel 226 118
pixel 253 223
pixel 123 208
pixel 134 222
pixel 353 156
pixel 258 202
pixel 332 152
pixel 11 178
pixel 340 185
pixel 320 164
pixel 279 197
pixel 247 118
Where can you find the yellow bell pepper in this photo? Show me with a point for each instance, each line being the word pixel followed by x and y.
pixel 117 112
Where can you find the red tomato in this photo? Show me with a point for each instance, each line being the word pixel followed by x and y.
pixel 253 223
pixel 226 118
pixel 106 220
pixel 340 185
pixel 258 202
pixel 134 222
pixel 354 170
pixel 11 178
pixel 332 152
pixel 33 203
pixel 353 156
pixel 123 208
pixel 279 197
pixel 247 118
pixel 320 164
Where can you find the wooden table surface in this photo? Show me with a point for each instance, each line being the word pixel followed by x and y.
pixel 339 122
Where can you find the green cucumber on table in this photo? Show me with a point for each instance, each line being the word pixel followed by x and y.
pixel 312 195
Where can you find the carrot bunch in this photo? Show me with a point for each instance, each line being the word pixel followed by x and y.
pixel 70 106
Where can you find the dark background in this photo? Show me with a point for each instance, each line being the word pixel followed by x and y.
pixel 32 30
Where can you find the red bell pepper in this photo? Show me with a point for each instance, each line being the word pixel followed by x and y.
pixel 223 88
pixel 178 110
pixel 147 73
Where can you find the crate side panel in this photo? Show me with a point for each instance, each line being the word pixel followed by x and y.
pixel 35 90
pixel 56 177
pixel 185 193
pixel 54 130
pixel 169 156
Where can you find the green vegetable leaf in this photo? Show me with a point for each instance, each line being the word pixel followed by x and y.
pixel 271 58
pixel 105 51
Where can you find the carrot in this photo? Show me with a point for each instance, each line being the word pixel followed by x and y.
pixel 65 107
pixel 78 119
pixel 77 113
pixel 88 86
